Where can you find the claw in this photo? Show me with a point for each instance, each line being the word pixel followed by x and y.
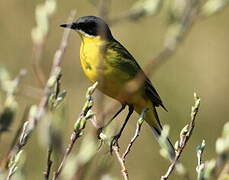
pixel 115 138
pixel 114 142
pixel 99 130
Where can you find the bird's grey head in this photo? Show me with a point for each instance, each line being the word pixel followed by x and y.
pixel 90 26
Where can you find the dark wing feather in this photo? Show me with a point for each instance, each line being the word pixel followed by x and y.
pixel 152 93
pixel 128 62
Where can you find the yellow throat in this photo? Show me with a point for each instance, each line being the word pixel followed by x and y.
pixel 91 57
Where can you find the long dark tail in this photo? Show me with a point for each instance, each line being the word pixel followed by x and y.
pixel 153 121
pixel 166 144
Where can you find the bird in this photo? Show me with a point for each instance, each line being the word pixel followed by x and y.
pixel 106 61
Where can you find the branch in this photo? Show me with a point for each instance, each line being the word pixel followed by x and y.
pixel 37 113
pixel 10 105
pixel 137 133
pixel 184 137
pixel 219 168
pixel 200 165
pixel 176 35
pixel 84 158
pixel 5 161
pixel 49 163
pixel 138 10
pixel 222 150
pixel 39 34
pixel 121 162
pixel 13 165
pixel 79 126
pixel 115 147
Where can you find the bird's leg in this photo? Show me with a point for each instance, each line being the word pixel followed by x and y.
pixel 116 114
pixel 117 136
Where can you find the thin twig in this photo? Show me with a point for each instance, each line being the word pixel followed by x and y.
pixel 136 134
pixel 5 161
pixel 17 80
pixel 16 136
pixel 63 45
pixel 138 10
pixel 78 128
pixel 200 165
pixel 184 137
pixel 171 44
pixel 8 113
pixel 128 15
pixel 38 71
pixel 121 162
pixel 74 137
pixel 39 35
pixel 133 139
pixel 49 163
pixel 13 165
pixel 220 167
pixel 43 105
pixel 115 147
pixel 88 148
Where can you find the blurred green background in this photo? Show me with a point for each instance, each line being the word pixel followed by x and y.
pixel 200 65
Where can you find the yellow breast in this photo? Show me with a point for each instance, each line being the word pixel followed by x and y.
pixel 96 68
pixel 91 57
pixel 111 80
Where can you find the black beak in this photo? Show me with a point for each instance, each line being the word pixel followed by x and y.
pixel 71 26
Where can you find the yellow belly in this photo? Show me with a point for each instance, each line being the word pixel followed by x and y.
pixel 110 81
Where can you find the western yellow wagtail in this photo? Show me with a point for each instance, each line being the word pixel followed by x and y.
pixel 106 61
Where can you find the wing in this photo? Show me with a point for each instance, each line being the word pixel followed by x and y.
pixel 152 93
pixel 126 63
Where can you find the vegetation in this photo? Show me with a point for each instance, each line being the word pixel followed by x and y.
pixel 88 135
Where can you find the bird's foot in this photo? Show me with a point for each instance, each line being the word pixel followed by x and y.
pixel 114 142
pixel 99 131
